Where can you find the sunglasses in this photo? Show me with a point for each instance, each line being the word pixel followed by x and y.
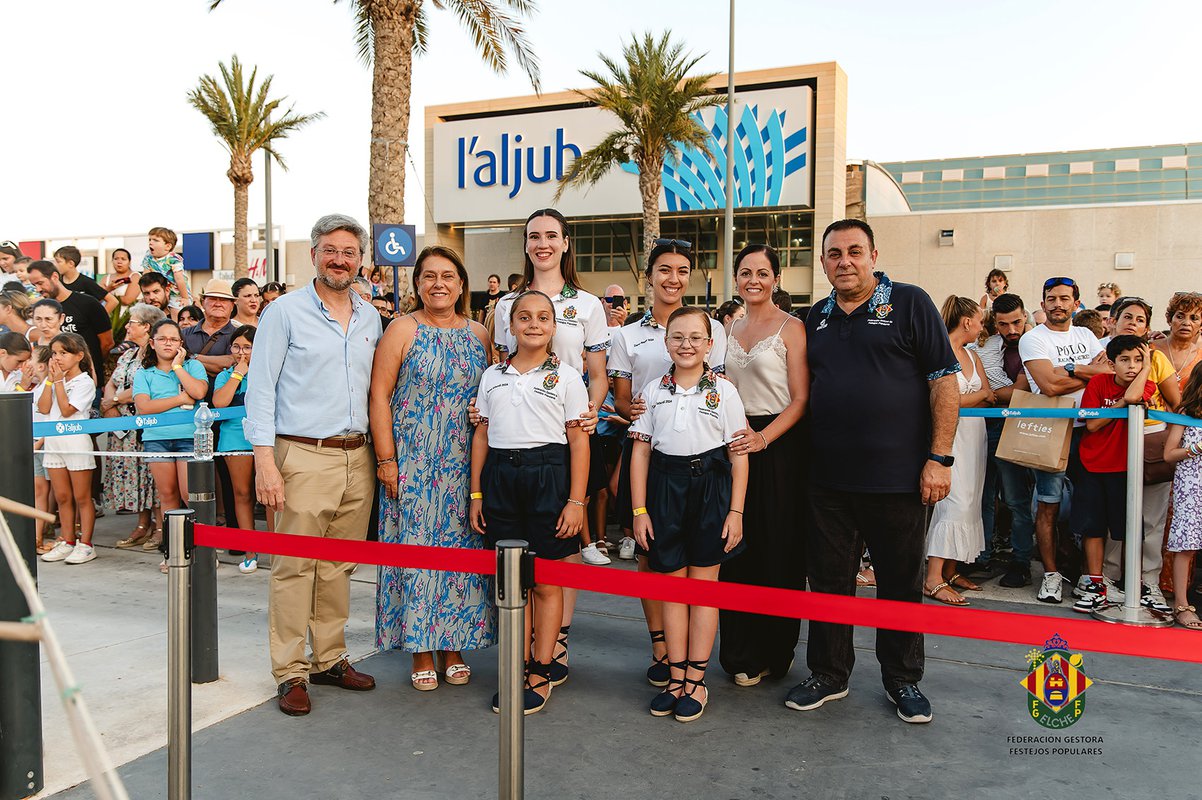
pixel 1050 282
pixel 674 243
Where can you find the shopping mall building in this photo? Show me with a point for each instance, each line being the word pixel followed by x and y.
pixel 1131 215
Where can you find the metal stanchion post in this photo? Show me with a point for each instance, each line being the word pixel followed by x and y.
pixel 515 577
pixel 1131 612
pixel 20 671
pixel 202 499
pixel 179 643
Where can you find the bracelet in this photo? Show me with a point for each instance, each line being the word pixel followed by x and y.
pixel 640 511
pixel 177 366
pixel 238 376
pixel 477 495
pixel 736 511
pixel 49 382
pixel 379 462
pixel 763 439
pixel 576 502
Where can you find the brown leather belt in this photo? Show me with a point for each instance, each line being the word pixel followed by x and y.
pixel 352 442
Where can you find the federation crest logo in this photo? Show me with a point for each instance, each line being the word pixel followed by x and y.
pixel 569 312
pixel 884 310
pixel 712 399
pixel 1056 685
pixel 60 428
pixel 551 381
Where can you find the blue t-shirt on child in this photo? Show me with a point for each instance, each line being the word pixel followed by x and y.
pixel 231 437
pixel 157 384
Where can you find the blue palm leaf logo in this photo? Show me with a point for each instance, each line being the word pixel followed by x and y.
pixel 764 157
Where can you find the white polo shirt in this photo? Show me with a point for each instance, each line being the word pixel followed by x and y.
pixel 525 410
pixel 687 422
pixel 638 353
pixel 81 391
pixel 580 325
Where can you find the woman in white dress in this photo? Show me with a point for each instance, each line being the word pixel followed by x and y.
pixel 956 533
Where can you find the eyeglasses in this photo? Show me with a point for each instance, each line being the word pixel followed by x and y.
pixel 677 340
pixel 167 340
pixel 350 253
pixel 240 348
pixel 1050 282
pixel 674 243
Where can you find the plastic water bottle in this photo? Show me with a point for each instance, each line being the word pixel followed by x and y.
pixel 202 439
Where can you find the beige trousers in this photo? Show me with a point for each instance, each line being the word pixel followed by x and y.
pixel 327 492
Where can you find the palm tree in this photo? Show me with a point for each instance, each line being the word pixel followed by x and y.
pixel 653 96
pixel 241 117
pixel 388 33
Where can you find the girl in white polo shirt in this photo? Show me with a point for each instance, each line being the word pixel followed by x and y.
pixel 529 468
pixel 687 490
pixel 638 354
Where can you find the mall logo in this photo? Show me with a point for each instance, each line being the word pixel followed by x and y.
pixel 68 427
pixel 1056 685
pixel 765 155
pixel 511 164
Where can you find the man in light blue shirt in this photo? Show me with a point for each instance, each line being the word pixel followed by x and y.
pixel 306 417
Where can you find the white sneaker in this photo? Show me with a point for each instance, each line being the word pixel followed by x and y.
pixel 1083 586
pixel 1049 590
pixel 1151 597
pixel 592 555
pixel 248 565
pixel 60 551
pixel 82 554
pixel 1113 593
pixel 626 548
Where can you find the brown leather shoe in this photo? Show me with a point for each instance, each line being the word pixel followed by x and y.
pixel 345 676
pixel 294 697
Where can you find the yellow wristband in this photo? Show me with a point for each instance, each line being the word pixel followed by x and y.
pixel 477 495
pixel 640 511
pixel 236 376
pixel 49 382
pixel 177 366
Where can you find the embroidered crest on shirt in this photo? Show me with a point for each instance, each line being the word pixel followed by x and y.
pixel 569 312
pixel 883 311
pixel 551 380
pixel 712 398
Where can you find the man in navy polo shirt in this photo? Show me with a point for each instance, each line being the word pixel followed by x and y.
pixel 883 409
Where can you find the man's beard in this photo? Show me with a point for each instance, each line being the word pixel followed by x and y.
pixel 336 285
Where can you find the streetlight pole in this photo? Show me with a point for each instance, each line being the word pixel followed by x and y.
pixel 271 276
pixel 728 237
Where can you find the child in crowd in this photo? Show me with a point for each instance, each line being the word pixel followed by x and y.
pixel 996 285
pixel 530 462
pixel 1108 293
pixel 34 372
pixel 1100 495
pixel 1184 448
pixel 229 391
pixel 14 351
pixel 160 258
pixel 687 490
pixel 168 381
pixel 1093 320
pixel 67 394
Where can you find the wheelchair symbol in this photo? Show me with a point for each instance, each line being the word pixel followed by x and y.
pixel 392 247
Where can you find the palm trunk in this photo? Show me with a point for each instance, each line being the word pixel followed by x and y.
pixel 241 244
pixel 393 26
pixel 651 181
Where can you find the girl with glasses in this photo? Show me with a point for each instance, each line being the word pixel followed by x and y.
pixel 168 381
pixel 229 391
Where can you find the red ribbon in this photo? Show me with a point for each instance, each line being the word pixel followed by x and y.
pixel 968 623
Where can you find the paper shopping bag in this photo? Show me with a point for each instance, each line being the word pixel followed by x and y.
pixel 1041 444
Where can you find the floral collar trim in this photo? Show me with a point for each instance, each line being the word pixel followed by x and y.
pixel 552 363
pixel 568 292
pixel 648 320
pixel 709 380
pixel 880 295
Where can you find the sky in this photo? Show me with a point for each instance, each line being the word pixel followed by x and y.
pixel 97 136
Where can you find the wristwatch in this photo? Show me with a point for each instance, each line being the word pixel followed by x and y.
pixel 1071 369
pixel 946 461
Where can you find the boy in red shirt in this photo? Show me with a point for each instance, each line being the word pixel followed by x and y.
pixel 1100 496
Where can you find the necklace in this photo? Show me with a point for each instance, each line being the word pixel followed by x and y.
pixel 1189 355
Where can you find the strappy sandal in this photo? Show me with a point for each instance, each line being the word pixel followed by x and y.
pixel 156 538
pixel 1196 625
pixel 962 584
pixel 134 539
pixel 424 680
pixel 688 707
pixel 866 578
pixel 659 673
pixel 532 700
pixel 559 663
pixel 456 674
pixel 934 595
pixel 664 703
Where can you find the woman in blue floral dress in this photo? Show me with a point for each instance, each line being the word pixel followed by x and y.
pixel 427 368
